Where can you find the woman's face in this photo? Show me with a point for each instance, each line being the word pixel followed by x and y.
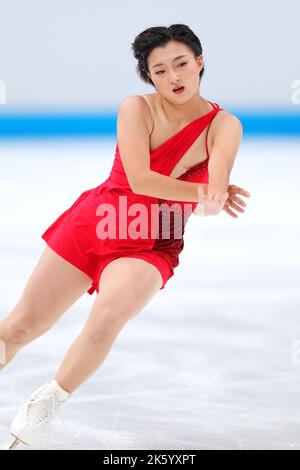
pixel 185 68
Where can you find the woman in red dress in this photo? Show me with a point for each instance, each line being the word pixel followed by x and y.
pixel 175 150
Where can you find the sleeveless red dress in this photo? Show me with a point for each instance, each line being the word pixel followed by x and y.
pixel 73 234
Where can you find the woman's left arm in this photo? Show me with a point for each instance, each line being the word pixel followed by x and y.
pixel 227 136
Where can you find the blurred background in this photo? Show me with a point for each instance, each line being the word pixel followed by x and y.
pixel 213 362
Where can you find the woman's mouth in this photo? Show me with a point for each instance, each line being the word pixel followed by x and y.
pixel 179 90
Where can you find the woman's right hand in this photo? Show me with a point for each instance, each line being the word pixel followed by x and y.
pixel 210 204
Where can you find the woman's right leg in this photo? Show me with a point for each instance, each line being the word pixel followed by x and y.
pixel 53 286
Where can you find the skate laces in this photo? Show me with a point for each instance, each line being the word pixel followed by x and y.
pixel 48 406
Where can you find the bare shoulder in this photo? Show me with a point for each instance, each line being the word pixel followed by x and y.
pixel 136 107
pixel 226 122
pixel 133 139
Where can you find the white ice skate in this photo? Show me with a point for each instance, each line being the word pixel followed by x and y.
pixel 36 414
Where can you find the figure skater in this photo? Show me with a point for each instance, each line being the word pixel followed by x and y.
pixel 174 149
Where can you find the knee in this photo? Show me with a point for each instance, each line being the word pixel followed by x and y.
pixel 104 325
pixel 20 325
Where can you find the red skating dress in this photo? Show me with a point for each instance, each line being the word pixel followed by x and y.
pixel 73 234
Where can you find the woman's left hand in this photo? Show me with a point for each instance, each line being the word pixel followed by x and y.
pixel 210 204
pixel 233 201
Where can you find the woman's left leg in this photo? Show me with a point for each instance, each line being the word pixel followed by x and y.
pixel 126 286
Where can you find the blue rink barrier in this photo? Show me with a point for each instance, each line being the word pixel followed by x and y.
pixel 97 124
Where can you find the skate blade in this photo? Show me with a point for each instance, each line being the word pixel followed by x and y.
pixel 15 443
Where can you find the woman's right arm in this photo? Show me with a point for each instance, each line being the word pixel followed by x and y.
pixel 134 143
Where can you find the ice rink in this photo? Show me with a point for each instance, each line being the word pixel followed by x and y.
pixel 213 361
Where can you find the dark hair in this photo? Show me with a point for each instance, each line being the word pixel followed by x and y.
pixel 146 41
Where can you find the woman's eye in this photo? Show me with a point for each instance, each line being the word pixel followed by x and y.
pixel 162 71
